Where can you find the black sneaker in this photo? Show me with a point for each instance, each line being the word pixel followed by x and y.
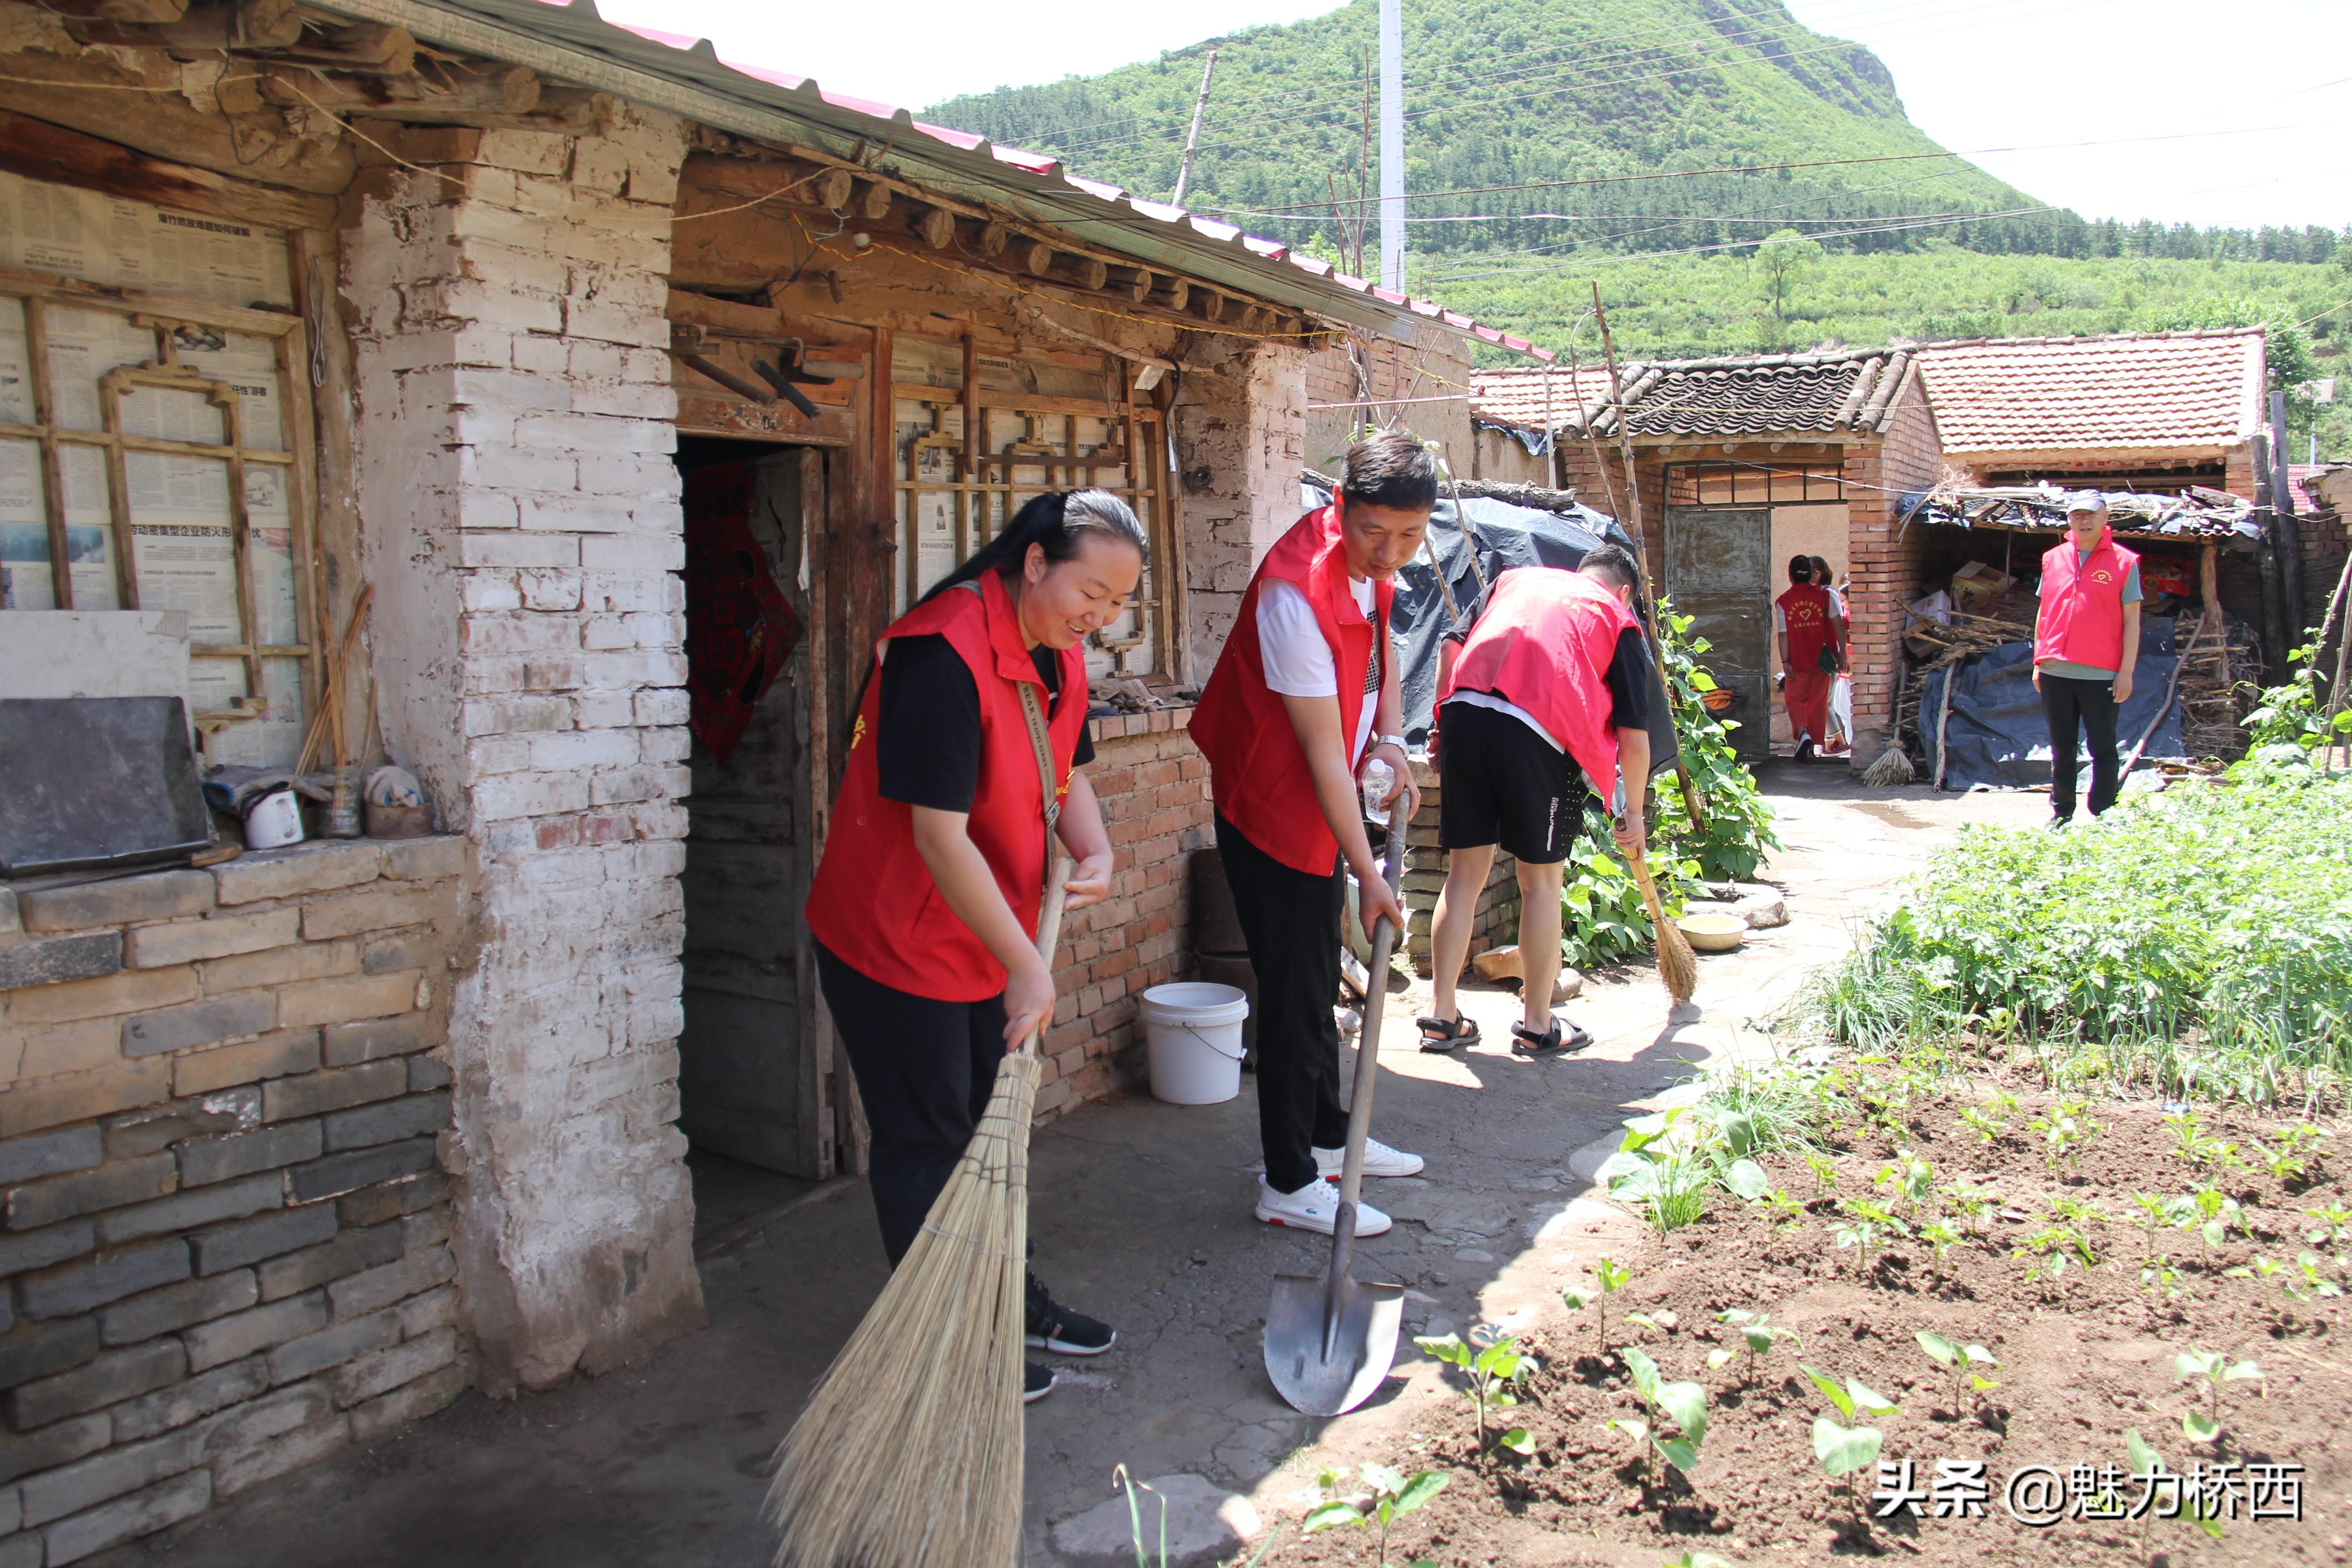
pixel 1055 1327
pixel 1037 1381
pixel 1804 749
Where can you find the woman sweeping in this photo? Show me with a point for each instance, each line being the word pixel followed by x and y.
pixel 964 761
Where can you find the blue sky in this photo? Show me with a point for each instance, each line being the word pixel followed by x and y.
pixel 2237 114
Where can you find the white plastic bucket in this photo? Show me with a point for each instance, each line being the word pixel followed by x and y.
pixel 1193 1031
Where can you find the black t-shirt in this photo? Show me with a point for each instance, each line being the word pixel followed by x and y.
pixel 1629 678
pixel 927 750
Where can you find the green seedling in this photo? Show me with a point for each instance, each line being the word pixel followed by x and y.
pixel 2213 1215
pixel 1843 1449
pixel 1490 1372
pixel 1608 1278
pixel 2290 1160
pixel 2309 1279
pixel 2216 1369
pixel 2156 1214
pixel 1784 1209
pixel 1666 1162
pixel 2192 1144
pixel 2053 1250
pixel 1939 1235
pixel 1684 1403
pixel 1991 1118
pixel 2146 1465
pixel 2076 1212
pixel 1910 1179
pixel 1826 1174
pixel 1960 1361
pixel 1974 1204
pixel 2065 1127
pixel 1119 1477
pixel 1693 1558
pixel 1756 1334
pixel 1389 1496
pixel 2334 1228
pixel 1867 1226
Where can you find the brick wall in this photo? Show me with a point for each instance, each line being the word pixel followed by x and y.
pixel 521 526
pixel 1885 560
pixel 226 1237
pixel 1432 372
pixel 1154 789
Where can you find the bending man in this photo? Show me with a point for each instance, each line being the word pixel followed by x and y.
pixel 1547 688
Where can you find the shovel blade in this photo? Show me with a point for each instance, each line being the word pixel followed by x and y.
pixel 1361 1350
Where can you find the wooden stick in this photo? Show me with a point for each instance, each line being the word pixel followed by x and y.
pixel 1944 719
pixel 330 689
pixel 2171 689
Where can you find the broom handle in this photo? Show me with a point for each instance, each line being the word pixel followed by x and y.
pixel 1049 937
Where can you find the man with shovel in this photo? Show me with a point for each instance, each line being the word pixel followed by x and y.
pixel 1305 695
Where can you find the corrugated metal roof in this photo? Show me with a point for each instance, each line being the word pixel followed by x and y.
pixel 686 76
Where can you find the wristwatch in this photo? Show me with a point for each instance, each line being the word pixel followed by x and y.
pixel 1396 741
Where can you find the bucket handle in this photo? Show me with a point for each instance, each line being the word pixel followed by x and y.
pixel 1229 1055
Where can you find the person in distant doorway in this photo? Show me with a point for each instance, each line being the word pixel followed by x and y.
pixel 1813 653
pixel 1841 704
pixel 1547 688
pixel 1305 695
pixel 2085 644
pixel 966 762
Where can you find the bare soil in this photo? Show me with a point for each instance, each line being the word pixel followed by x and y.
pixel 2082 1359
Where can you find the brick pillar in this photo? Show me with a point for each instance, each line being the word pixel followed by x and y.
pixel 521 519
pixel 1241 437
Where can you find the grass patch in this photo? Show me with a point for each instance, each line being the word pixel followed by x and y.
pixel 2198 941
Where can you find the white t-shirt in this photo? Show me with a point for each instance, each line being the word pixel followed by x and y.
pixel 1298 660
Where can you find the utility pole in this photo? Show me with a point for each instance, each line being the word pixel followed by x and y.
pixel 1192 137
pixel 1392 144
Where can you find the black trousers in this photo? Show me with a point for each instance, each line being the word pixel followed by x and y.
pixel 2069 703
pixel 1290 921
pixel 925 1070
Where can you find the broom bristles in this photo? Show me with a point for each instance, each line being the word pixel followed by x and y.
pixel 910 1452
pixel 1677 964
pixel 1891 768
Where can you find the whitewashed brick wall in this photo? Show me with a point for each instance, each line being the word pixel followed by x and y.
pixel 520 518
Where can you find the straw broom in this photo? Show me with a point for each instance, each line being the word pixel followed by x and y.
pixel 910 1452
pixel 1677 966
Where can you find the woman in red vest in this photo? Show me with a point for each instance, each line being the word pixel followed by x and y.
pixel 1305 695
pixel 1548 686
pixel 963 761
pixel 2086 642
pixel 1809 628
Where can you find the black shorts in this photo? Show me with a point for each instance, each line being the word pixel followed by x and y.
pixel 1501 783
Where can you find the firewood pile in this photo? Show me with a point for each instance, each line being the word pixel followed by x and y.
pixel 2197 512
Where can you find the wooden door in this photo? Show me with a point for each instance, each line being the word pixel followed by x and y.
pixel 1719 571
pixel 755 1080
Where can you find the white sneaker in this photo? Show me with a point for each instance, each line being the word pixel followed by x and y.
pixel 1316 1207
pixel 1380 1160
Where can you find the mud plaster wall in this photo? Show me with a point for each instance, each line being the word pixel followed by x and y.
pixel 520 518
pixel 1239 444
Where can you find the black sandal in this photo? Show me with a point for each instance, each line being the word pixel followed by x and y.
pixel 1438 1036
pixel 1563 1036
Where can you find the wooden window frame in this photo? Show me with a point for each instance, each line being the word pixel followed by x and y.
pixel 1142 425
pixel 1825 482
pixel 161 314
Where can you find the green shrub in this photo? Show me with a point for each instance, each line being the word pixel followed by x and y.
pixel 2199 939
pixel 1738 821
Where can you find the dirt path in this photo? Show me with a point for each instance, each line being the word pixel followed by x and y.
pixel 1141 1216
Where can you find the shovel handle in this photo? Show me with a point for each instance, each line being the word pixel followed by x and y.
pixel 1368 1042
pixel 1049 936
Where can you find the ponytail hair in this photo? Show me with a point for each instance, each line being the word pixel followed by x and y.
pixel 1057 523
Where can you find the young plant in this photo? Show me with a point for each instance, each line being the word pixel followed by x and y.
pixel 2334 1228
pixel 1490 1373
pixel 2308 1280
pixel 1843 1449
pixel 2213 1216
pixel 2290 1160
pixel 1910 1179
pixel 2065 1127
pixel 1991 1119
pixel 1684 1403
pixel 1608 1278
pixel 1960 1361
pixel 1939 1236
pixel 1867 1226
pixel 1389 1496
pixel 1974 1204
pixel 1756 1334
pixel 1826 1175
pixel 1119 1477
pixel 1784 1209
pixel 2216 1369
pixel 1665 1164
pixel 2147 1468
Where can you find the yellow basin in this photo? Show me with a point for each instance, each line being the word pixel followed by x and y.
pixel 1713 933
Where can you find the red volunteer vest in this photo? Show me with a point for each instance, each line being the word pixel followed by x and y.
pixel 2081 619
pixel 1807 608
pixel 1545 641
pixel 873 901
pixel 1257 770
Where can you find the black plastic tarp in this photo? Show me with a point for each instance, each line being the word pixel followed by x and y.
pixel 1506 536
pixel 1997 734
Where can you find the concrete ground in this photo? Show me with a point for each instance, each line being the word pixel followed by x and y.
pixel 1142 1214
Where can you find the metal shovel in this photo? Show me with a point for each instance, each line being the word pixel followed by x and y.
pixel 1330 1339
